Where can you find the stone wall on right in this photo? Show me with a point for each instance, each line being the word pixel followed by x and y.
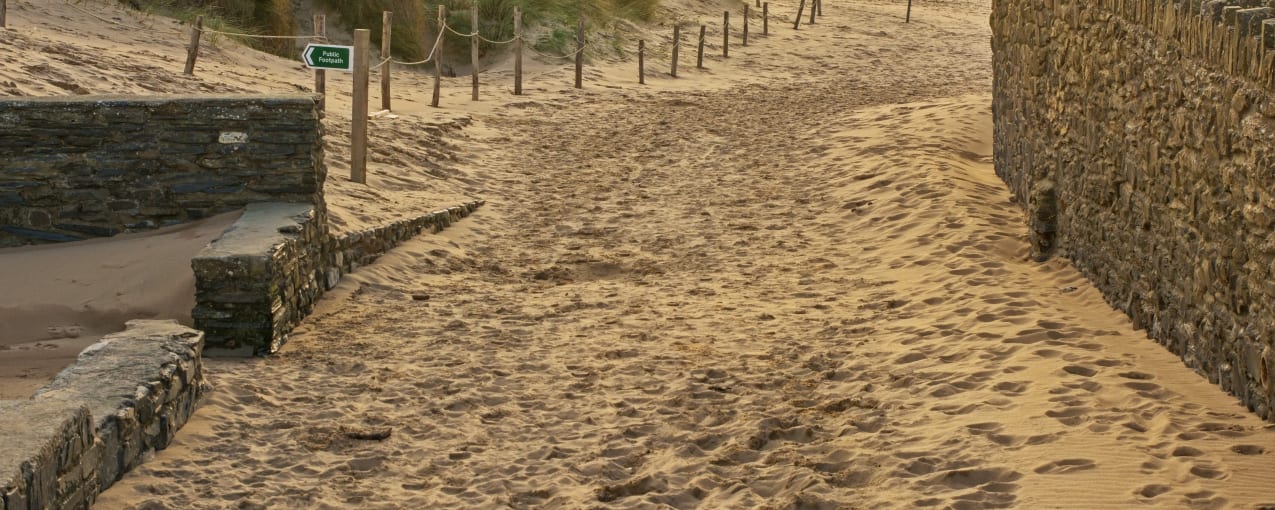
pixel 1140 137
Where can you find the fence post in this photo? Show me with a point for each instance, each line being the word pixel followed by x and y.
pixel 745 24
pixel 726 34
pixel 641 62
pixel 2 9
pixel 813 4
pixel 677 45
pixel 473 47
pixel 765 18
pixel 192 51
pixel 321 76
pixel 387 22
pixel 358 132
pixel 580 53
pixel 517 51
pixel 438 54
pixel 699 60
pixel 800 9
pixel 908 18
pixel 819 6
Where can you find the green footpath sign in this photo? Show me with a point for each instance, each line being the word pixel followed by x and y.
pixel 322 56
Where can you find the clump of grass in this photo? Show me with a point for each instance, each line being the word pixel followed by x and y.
pixel 415 22
pixel 266 17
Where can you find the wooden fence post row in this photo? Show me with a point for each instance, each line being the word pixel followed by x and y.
pixel 321 76
pixel 438 54
pixel 726 34
pixel 677 43
pixel 473 48
pixel 517 51
pixel 580 54
pixel 641 62
pixel 699 60
pixel 192 51
pixel 358 131
pixel 387 21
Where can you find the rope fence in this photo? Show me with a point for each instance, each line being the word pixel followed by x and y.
pixel 664 52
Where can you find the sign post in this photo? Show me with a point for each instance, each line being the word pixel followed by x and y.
pixel 327 56
pixel 358 131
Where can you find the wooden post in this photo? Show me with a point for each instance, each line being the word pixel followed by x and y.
pixel 473 47
pixel 699 60
pixel 2 14
pixel 358 132
pixel 813 9
pixel 517 51
pixel 745 24
pixel 908 18
pixel 438 55
pixel 321 76
pixel 387 21
pixel 765 18
pixel 641 62
pixel 726 34
pixel 192 51
pixel 758 3
pixel 677 44
pixel 800 9
pixel 819 6
pixel 580 54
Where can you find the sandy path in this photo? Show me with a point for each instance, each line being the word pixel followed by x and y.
pixel 807 290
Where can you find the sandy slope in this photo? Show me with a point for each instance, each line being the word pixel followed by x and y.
pixel 790 281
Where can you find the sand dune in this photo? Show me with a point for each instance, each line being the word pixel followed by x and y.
pixel 789 281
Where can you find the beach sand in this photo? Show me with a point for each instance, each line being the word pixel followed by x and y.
pixel 791 280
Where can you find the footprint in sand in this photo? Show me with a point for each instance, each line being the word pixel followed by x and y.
pixel 1064 466
pixel 1153 490
pixel 1248 449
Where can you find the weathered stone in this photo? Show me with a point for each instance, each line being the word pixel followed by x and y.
pixel 97 151
pixel 1148 164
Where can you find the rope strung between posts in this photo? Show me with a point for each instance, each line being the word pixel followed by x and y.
pixel 432 52
pixel 255 36
pixel 479 36
pixel 567 56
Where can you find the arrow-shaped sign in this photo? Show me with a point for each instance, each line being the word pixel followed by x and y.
pixel 323 56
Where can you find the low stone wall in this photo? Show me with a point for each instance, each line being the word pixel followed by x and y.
pixel 125 396
pixel 79 167
pixel 260 278
pixel 265 274
pixel 365 246
pixel 1140 136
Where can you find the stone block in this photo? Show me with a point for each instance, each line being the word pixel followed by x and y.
pixel 44 441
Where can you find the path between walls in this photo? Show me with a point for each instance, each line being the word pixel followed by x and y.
pixel 807 292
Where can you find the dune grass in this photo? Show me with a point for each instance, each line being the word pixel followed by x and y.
pixel 415 21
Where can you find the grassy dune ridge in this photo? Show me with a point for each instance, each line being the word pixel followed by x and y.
pixel 549 23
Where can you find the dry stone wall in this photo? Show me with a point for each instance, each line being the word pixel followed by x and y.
pixel 77 167
pixel 124 397
pixel 1140 136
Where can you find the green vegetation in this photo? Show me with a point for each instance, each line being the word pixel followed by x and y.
pixel 266 17
pixel 550 24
